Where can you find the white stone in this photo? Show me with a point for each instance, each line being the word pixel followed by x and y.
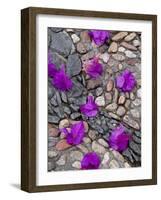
pixel 136 43
pixel 105 57
pixel 121 49
pixel 62 160
pixel 75 38
pixel 52 154
pixel 76 164
pixel 100 101
pixel 103 142
pixel 106 158
pixel 130 54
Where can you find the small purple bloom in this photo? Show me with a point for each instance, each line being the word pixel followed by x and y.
pixel 126 81
pixel 89 109
pixel 61 81
pixel 119 139
pixel 93 68
pixel 99 36
pixel 90 161
pixel 76 134
pixel 51 70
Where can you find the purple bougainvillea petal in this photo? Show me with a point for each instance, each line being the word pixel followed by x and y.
pixel 93 68
pixel 90 161
pixel 119 139
pixel 76 134
pixel 99 36
pixel 89 109
pixel 126 81
pixel 61 81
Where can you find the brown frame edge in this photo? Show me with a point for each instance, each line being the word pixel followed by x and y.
pixel 28 99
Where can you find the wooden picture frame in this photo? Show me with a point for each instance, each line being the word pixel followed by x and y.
pixel 28 98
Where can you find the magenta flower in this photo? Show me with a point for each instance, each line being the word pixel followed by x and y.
pixel 119 139
pixel 99 36
pixel 93 68
pixel 126 81
pixel 90 161
pixel 61 81
pixel 51 70
pixel 76 134
pixel 89 109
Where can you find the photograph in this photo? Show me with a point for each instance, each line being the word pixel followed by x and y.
pixel 94 99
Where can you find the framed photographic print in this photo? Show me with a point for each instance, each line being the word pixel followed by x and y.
pixel 89 99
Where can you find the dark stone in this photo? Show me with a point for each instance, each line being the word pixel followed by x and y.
pixel 128 155
pixel 64 97
pixel 53 101
pixel 136 139
pixel 61 43
pixel 73 65
pixel 80 101
pixel 50 111
pixel 75 115
pixel 67 110
pixel 83 80
pixel 74 107
pixel 51 91
pixel 53 119
pixel 59 111
pixel 135 147
pixel 56 30
pixel 58 98
pixel 76 90
pixel 58 60
pixel 99 91
pixel 138 134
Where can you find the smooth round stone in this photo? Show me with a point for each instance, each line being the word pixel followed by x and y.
pixel 103 142
pixel 99 91
pixel 136 43
pixel 130 37
pixel 113 164
pixel 76 155
pixel 92 134
pixel 75 38
pixel 121 111
pixel 86 140
pixel 110 85
pixel 111 107
pixel 62 160
pixel 130 54
pixel 121 99
pixel 100 101
pixel 64 123
pixel 76 165
pixel 105 57
pixel 113 47
pixel 62 145
pixel 98 148
pixel 121 49
pixel 119 36
pixel 106 158
pixel 118 156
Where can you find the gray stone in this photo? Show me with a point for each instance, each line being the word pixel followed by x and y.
pixel 99 91
pixel 62 160
pixel 111 107
pixel 136 139
pixel 56 29
pixel 51 91
pixel 53 119
pixel 119 36
pixel 58 59
pixel 128 155
pixel 73 65
pixel 52 153
pixel 74 107
pixel 76 90
pixel 137 102
pixel 61 43
pixel 59 111
pixel 92 84
pixel 75 115
pixel 64 97
pixel 106 159
pixel 134 124
pixel 135 113
pixel 136 43
pixel 118 57
pixel 76 155
pixel 67 110
pixel 121 111
pixel 53 101
pixel 100 101
pixel 135 147
pixel 93 134
pixel 51 166
pixel 98 148
pixel 58 98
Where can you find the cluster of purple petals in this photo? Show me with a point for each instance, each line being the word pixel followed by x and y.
pixel 90 161
pixel 99 36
